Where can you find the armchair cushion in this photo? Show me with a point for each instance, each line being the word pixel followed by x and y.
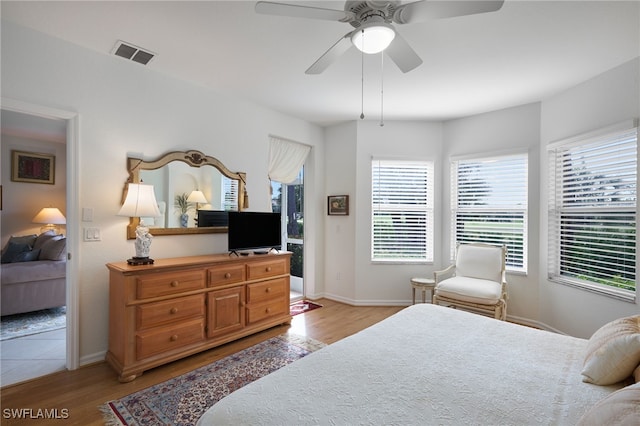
pixel 483 262
pixel 473 290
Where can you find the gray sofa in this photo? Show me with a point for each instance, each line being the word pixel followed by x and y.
pixel 33 274
pixel 31 286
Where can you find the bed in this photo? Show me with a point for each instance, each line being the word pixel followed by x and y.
pixel 428 364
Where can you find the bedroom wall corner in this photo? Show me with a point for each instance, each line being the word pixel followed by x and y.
pixel 339 231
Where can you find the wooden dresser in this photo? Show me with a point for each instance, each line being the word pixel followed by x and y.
pixel 180 306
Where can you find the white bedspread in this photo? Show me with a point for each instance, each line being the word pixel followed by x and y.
pixel 425 365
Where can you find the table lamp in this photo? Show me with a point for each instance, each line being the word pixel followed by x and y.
pixel 51 217
pixel 140 202
pixel 197 197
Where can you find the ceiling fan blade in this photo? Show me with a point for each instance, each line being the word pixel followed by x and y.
pixel 402 54
pixel 424 10
pixel 297 11
pixel 331 55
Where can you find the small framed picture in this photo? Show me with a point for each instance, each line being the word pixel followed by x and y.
pixel 32 167
pixel 338 205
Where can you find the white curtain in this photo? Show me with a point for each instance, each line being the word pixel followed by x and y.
pixel 286 158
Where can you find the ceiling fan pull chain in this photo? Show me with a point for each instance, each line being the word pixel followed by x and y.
pixel 362 80
pixel 382 89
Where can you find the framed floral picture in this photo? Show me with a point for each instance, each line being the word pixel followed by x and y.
pixel 338 205
pixel 32 167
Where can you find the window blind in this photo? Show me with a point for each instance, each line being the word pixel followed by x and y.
pixel 489 205
pixel 229 194
pixel 593 212
pixel 402 210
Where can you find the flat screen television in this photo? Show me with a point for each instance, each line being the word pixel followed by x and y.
pixel 255 231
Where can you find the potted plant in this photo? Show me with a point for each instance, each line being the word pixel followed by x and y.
pixel 183 207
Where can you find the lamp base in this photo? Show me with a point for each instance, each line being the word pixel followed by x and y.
pixel 140 261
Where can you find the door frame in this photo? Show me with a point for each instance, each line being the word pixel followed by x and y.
pixel 72 207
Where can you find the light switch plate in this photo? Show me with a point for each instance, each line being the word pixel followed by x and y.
pixel 87 214
pixel 92 234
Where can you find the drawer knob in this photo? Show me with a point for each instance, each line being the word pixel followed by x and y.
pixel 268 310
pixel 174 311
pixel 268 269
pixel 174 283
pixel 268 290
pixel 174 338
pixel 227 275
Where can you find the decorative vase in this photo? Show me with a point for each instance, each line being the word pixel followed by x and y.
pixel 184 220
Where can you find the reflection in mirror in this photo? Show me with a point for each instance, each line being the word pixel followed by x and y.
pixel 188 185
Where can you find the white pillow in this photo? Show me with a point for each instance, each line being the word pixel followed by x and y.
pixel 613 352
pixel 621 408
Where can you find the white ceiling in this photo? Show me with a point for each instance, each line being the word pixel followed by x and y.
pixel 523 53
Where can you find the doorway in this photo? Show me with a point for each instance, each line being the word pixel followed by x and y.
pixel 288 200
pixel 39 123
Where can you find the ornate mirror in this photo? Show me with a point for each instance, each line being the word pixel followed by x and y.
pixel 192 190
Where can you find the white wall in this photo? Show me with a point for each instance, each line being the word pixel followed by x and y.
pixel 606 99
pixel 125 109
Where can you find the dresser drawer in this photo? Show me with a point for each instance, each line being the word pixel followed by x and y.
pixel 267 268
pixel 156 313
pixel 154 285
pixel 267 310
pixel 267 290
pixel 226 274
pixel 163 339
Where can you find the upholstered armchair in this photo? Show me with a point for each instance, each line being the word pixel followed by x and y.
pixel 476 281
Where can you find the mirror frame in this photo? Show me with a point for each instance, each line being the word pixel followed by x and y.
pixel 194 159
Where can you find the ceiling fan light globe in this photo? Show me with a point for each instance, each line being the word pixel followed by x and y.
pixel 374 38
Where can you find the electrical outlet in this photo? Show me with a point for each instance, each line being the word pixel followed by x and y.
pixel 87 214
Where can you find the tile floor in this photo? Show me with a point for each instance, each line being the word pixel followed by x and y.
pixel 295 296
pixel 32 356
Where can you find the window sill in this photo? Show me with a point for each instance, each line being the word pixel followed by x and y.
pixel 619 294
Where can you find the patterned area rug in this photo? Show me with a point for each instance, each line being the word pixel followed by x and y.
pixel 183 399
pixel 20 325
pixel 303 306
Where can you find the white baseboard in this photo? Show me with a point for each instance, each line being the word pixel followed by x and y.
pixel 93 358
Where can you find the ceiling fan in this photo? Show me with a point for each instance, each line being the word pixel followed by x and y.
pixel 372 20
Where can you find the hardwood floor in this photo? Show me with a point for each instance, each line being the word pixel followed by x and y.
pixel 77 395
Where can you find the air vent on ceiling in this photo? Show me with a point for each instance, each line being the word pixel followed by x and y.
pixel 134 53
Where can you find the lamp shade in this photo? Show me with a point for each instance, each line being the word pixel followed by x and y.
pixel 373 38
pixel 140 201
pixel 197 197
pixel 50 215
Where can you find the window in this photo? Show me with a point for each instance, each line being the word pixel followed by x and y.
pixel 592 211
pixel 489 205
pixel 229 193
pixel 402 211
